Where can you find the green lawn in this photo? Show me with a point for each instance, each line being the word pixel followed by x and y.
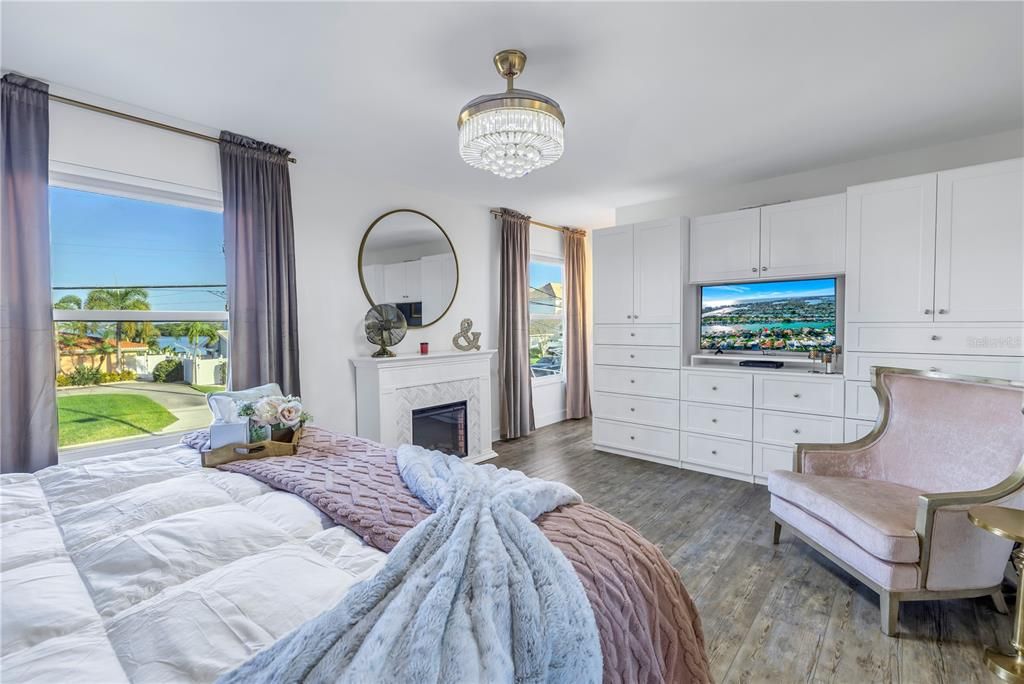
pixel 92 417
pixel 207 389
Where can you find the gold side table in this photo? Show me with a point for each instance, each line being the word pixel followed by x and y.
pixel 1009 524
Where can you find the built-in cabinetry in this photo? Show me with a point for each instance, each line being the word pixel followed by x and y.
pixel 934 278
pixel 793 239
pixel 637 294
pixel 743 424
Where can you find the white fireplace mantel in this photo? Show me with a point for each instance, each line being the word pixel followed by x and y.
pixel 388 390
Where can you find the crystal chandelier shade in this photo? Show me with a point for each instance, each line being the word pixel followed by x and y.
pixel 513 133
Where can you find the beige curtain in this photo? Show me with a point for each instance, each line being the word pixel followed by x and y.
pixel 514 388
pixel 577 326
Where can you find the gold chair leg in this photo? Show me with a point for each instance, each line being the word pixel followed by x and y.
pixel 889 607
pixel 776 531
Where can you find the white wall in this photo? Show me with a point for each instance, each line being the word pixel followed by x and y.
pixel 831 179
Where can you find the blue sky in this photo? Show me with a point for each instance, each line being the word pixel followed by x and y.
pixel 105 241
pixel 542 273
pixel 723 295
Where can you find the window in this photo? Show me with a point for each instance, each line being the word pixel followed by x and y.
pixel 547 318
pixel 140 315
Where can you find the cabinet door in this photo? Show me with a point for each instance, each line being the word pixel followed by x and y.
pixel 725 247
pixel 979 243
pixel 394 283
pixel 804 238
pixel 656 255
pixel 613 275
pixel 890 250
pixel 413 284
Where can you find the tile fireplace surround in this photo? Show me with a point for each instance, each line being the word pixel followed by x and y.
pixel 388 390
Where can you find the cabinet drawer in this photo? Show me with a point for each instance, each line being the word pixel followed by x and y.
pixel 993 339
pixel 855 429
pixel 768 457
pixel 717 388
pixel 642 357
pixel 727 421
pixel 858 365
pixel 652 441
pixel 645 335
pixel 648 382
pixel 786 429
pixel 643 410
pixel 716 452
pixel 799 393
pixel 861 401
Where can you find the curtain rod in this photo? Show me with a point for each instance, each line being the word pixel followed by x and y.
pixel 561 229
pixel 138 119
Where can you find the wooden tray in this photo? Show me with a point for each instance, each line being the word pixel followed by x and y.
pixel 281 443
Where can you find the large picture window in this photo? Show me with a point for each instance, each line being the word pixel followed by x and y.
pixel 140 315
pixel 547 318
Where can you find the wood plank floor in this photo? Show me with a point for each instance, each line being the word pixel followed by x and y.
pixel 770 613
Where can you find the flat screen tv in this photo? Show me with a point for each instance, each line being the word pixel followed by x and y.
pixel 781 316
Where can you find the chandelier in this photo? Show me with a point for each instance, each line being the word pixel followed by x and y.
pixel 512 133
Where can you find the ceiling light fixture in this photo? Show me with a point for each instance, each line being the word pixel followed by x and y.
pixel 512 133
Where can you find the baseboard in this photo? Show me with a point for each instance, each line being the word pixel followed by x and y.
pixel 709 470
pixel 663 460
pixel 481 457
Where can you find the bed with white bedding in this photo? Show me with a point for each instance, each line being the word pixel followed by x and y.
pixel 146 567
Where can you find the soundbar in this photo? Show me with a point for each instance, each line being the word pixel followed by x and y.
pixel 762 364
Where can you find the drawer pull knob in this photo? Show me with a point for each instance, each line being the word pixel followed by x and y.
pixel 935 338
pixel 943 311
pixel 632 356
pixel 927 312
pixel 754 270
pixel 934 369
pixel 714 420
pixel 631 381
pixel 764 268
pixel 796 431
pixel 632 409
pixel 632 437
pixel 714 452
pixel 714 388
pixel 632 334
pixel 629 315
pixel 796 395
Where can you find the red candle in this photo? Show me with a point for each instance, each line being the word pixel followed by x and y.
pixel 424 347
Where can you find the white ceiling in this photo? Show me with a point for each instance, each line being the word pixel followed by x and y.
pixel 659 98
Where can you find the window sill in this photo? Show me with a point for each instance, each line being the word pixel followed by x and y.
pixel 71 454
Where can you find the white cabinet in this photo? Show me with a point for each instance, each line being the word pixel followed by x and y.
pixel 636 273
pixel 613 275
pixel 804 238
pixel 725 247
pixel 940 247
pixel 979 243
pixel 656 286
pixel 402 282
pixel 437 283
pixel 890 250
pixel 794 239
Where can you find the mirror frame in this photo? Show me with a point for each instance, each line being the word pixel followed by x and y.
pixel 362 247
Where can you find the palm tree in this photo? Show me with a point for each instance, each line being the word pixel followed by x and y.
pixel 118 299
pixel 197 329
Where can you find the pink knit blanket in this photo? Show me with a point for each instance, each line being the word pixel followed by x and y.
pixel 648 624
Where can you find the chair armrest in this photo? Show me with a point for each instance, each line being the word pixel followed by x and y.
pixel 929 504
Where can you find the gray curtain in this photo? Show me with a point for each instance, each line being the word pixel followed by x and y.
pixel 28 397
pixel 577 326
pixel 514 387
pixel 259 242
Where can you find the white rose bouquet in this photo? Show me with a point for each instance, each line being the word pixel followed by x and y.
pixel 267 414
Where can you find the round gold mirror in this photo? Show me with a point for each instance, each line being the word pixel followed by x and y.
pixel 407 259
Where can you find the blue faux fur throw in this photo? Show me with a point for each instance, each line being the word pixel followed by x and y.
pixel 474 593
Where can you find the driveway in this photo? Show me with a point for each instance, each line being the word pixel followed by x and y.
pixel 188 405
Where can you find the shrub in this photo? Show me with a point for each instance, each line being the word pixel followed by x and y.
pixel 220 373
pixel 115 376
pixel 84 375
pixel 63 380
pixel 169 370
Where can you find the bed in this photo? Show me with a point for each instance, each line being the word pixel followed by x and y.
pixel 146 567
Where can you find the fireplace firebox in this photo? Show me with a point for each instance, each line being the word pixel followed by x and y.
pixel 441 428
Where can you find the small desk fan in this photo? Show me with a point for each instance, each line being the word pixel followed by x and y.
pixel 385 325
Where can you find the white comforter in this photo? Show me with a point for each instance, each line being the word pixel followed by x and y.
pixel 145 567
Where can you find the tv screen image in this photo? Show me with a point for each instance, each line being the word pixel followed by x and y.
pixel 785 316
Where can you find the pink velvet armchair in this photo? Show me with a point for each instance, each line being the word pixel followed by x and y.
pixel 891 507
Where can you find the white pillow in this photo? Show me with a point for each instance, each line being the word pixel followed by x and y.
pixel 222 404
